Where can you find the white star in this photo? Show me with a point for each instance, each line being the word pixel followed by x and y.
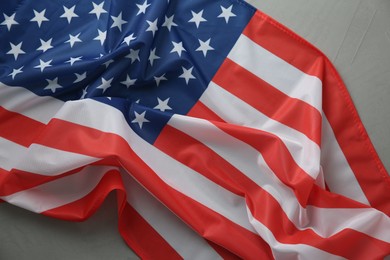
pixel 226 13
pixel 133 55
pixel 45 45
pixel 53 85
pixel 169 22
pixel 140 119
pixel 204 47
pixel 101 37
pixel 129 38
pixel 9 21
pixel 152 26
pixel 142 8
pixel 69 13
pixel 159 79
pixel 15 72
pixel 129 82
pixel 197 18
pixel 187 74
pixel 80 77
pixel 73 60
pixel 163 105
pixel 105 84
pixel 85 92
pixel 73 39
pixel 178 47
pixel 153 56
pixel 98 9
pixel 43 64
pixel 107 63
pixel 39 17
pixel 118 22
pixel 16 50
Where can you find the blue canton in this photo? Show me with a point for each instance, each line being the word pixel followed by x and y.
pixel 150 59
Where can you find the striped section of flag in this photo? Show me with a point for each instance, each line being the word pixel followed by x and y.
pixel 264 165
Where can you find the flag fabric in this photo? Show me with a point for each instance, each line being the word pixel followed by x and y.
pixel 223 133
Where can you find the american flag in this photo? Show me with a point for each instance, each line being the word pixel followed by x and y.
pixel 223 133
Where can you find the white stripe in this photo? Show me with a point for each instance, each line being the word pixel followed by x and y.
pixel 338 174
pixel 289 251
pixel 175 174
pixel 305 152
pixel 250 162
pixel 59 192
pixel 365 220
pixel 23 101
pixel 184 240
pixel 8 151
pixel 277 72
pixel 40 159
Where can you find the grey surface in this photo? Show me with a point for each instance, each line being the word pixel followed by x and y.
pixel 354 34
pixel 25 235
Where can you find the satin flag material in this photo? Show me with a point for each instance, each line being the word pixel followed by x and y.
pixel 223 133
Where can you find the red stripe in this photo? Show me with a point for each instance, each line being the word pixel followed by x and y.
pixel 203 160
pixel 223 252
pixel 18 128
pixel 142 238
pixel 269 100
pixel 337 105
pixel 199 110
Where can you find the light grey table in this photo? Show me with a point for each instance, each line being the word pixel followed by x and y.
pixel 354 34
